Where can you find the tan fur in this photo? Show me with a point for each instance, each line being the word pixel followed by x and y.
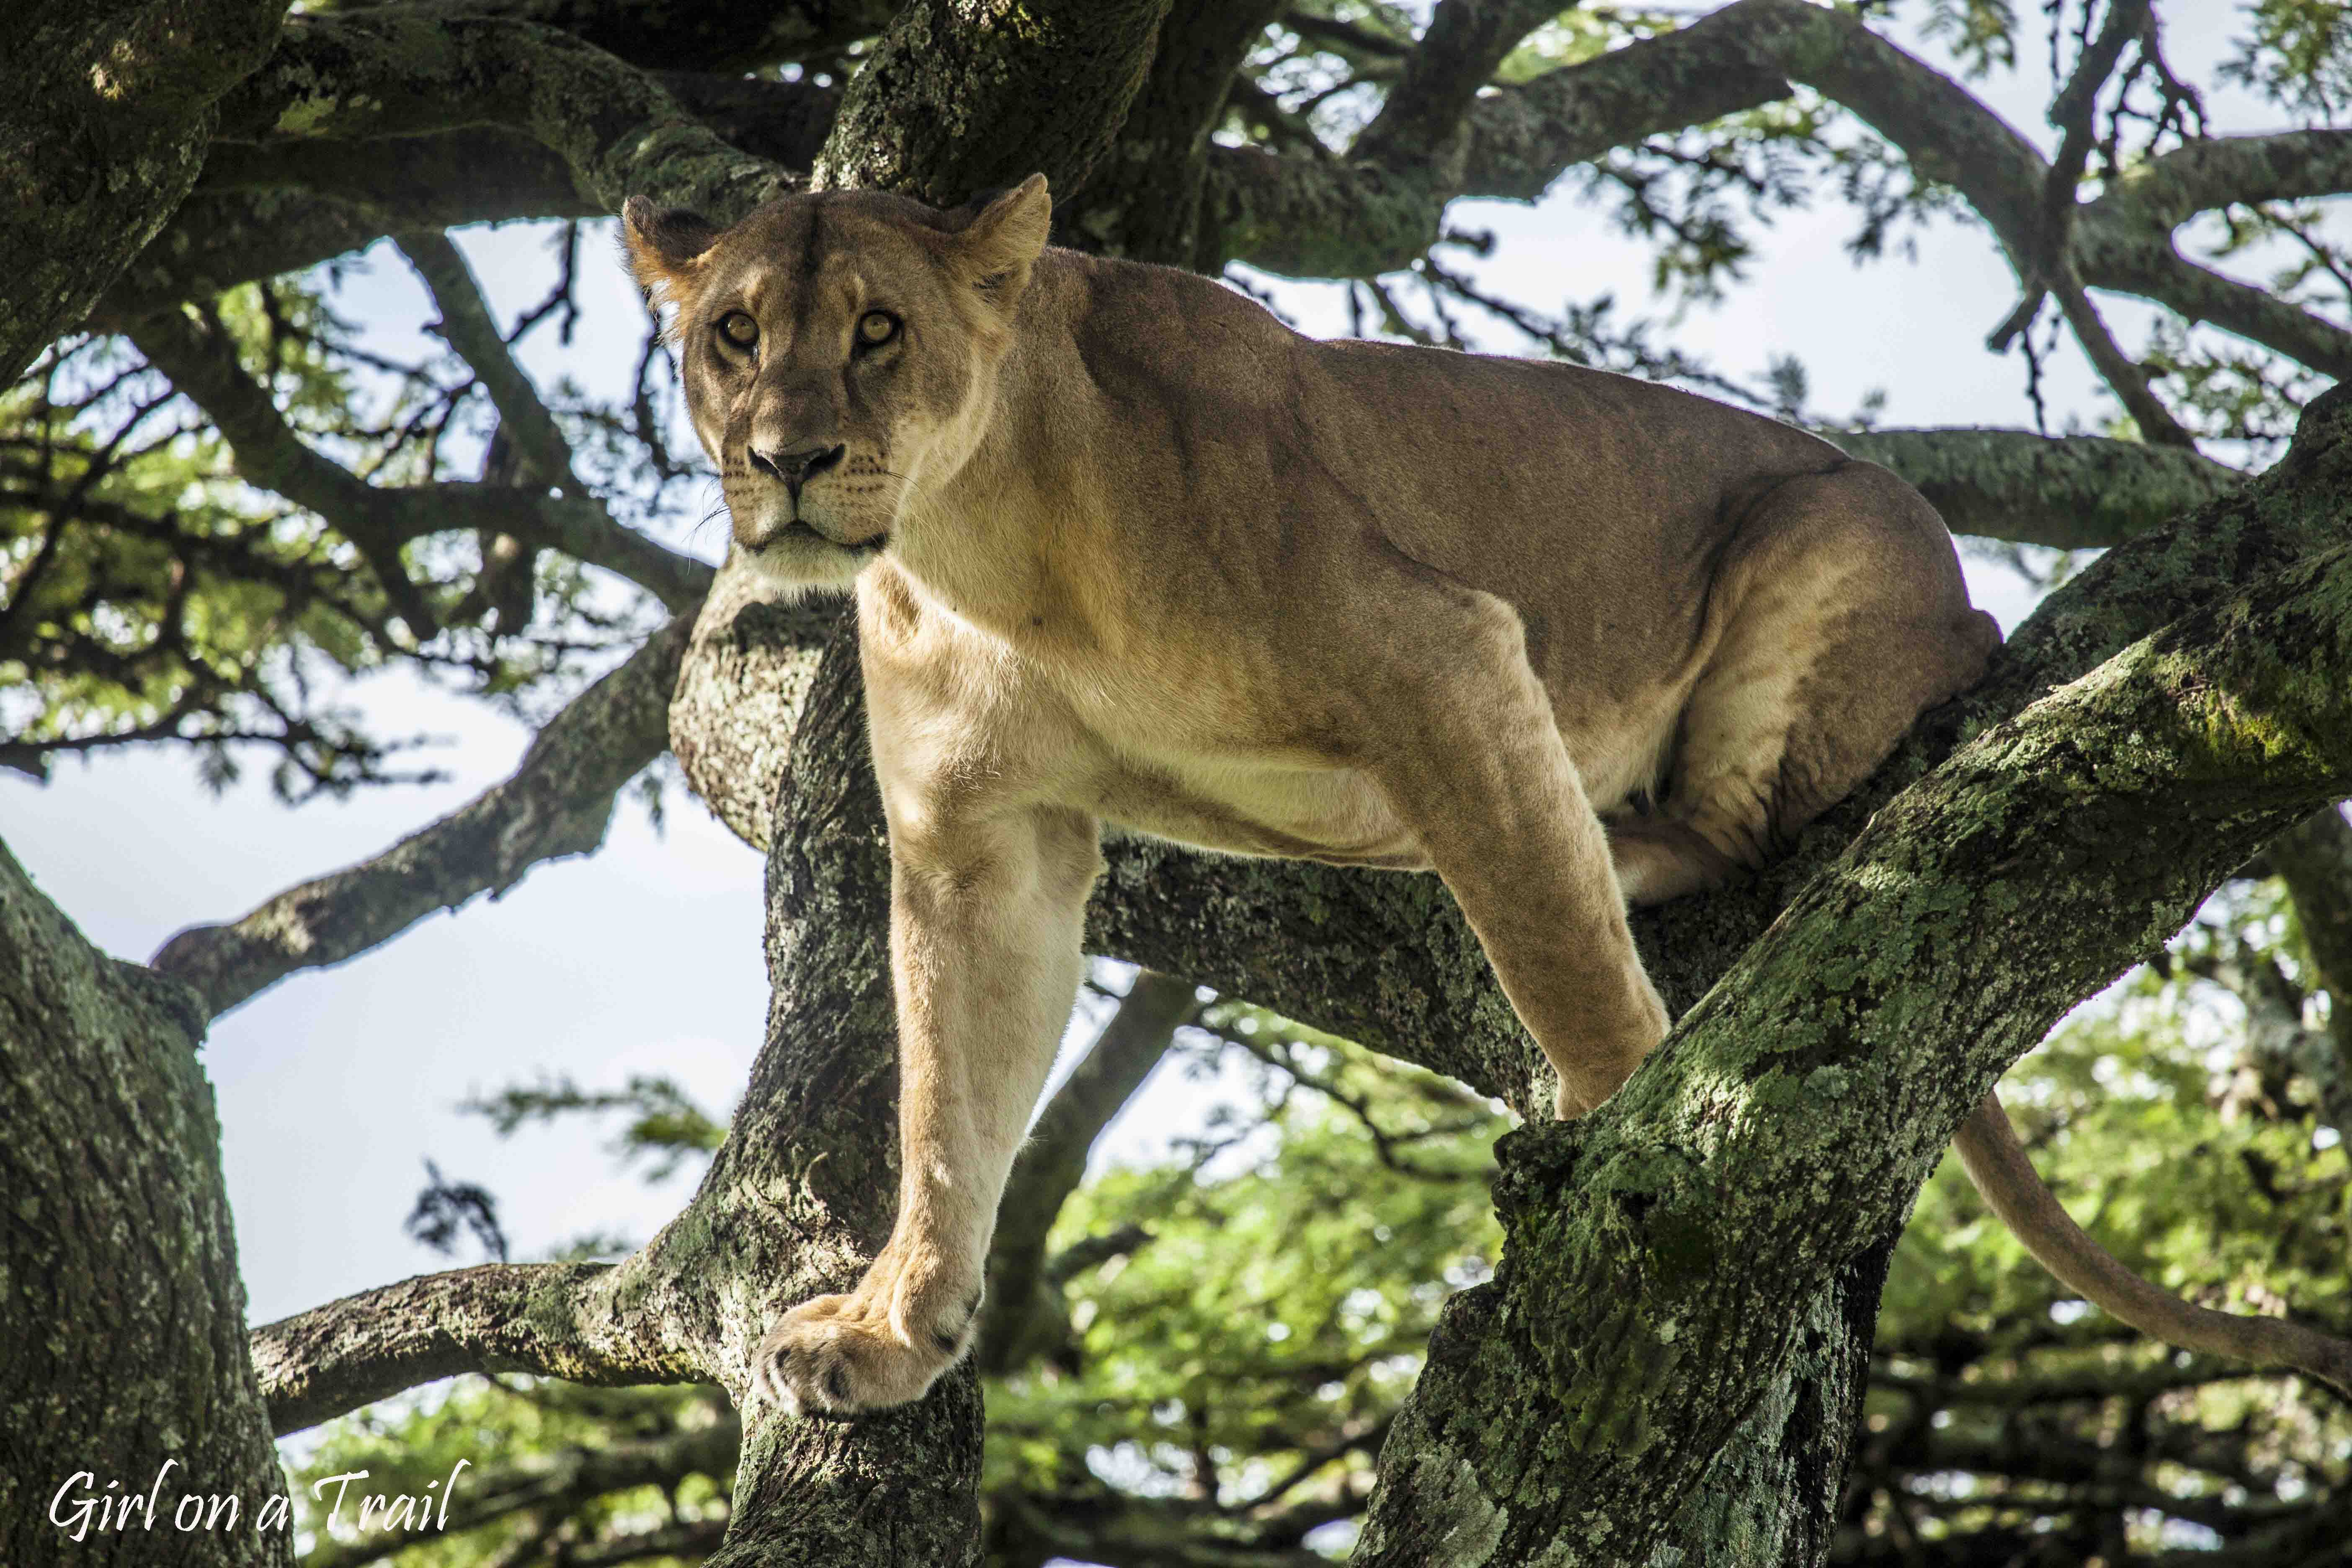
pixel 1127 548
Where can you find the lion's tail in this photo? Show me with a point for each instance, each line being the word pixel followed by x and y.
pixel 1998 1164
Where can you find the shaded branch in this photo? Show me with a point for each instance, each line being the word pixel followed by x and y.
pixel 1423 120
pixel 681 35
pixel 2071 492
pixel 2168 190
pixel 908 120
pixel 391 72
pixel 115 97
pixel 556 802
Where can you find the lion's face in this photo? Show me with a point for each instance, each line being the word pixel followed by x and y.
pixel 837 351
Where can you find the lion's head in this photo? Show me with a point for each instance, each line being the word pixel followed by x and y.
pixel 839 351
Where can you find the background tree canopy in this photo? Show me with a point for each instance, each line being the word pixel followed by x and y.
pixel 233 479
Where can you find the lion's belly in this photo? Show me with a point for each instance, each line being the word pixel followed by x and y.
pixel 1333 815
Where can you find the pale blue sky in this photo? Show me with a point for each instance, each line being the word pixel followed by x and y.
pixel 335 1086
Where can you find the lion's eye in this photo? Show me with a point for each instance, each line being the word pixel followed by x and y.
pixel 739 329
pixel 875 328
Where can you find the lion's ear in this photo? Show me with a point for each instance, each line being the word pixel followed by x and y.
pixel 997 249
pixel 664 246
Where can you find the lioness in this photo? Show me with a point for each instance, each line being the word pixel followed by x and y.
pixel 1127 548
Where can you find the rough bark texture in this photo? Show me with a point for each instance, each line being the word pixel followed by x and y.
pixel 1143 199
pixel 701 34
pixel 2074 493
pixel 739 699
pixel 812 1162
pixel 556 1319
pixel 107 113
pixel 963 96
pixel 120 1301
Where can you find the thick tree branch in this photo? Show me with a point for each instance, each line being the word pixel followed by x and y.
pixel 557 1319
pixel 741 695
pixel 390 73
pixel 556 802
pixel 1053 1161
pixel 1142 199
pixel 910 119
pixel 108 108
pixel 123 1314
pixel 2073 492
pixel 2165 191
pixel 1423 121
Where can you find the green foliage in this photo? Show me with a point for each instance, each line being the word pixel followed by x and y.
pixel 1255 1347
pixel 151 595
pixel 2299 54
pixel 526 1446
pixel 1981 33
pixel 2006 1417
pixel 663 1126
pixel 150 592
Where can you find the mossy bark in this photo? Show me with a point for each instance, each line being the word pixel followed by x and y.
pixel 121 1311
pixel 106 110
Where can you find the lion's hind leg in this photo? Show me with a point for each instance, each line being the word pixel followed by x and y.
pixel 1842 617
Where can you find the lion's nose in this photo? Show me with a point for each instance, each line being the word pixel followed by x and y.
pixel 795 468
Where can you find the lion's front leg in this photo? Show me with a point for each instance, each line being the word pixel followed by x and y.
pixel 984 927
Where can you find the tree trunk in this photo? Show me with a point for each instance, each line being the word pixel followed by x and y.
pixel 125 1373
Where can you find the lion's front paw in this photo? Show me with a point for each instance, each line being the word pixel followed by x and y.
pixel 839 1355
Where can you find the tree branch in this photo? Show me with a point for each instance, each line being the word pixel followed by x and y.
pixel 557 1319
pixel 1142 198
pixel 389 73
pixel 115 97
pixel 686 35
pixel 2165 191
pixel 1423 121
pixel 2073 492
pixel 466 326
pixel 556 802
pixel 2147 266
pixel 906 121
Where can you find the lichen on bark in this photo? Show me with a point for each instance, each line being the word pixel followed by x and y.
pixel 120 1304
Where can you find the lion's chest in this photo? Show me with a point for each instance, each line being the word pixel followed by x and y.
pixel 1190 749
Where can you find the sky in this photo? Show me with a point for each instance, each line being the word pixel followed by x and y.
pixel 336 1085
